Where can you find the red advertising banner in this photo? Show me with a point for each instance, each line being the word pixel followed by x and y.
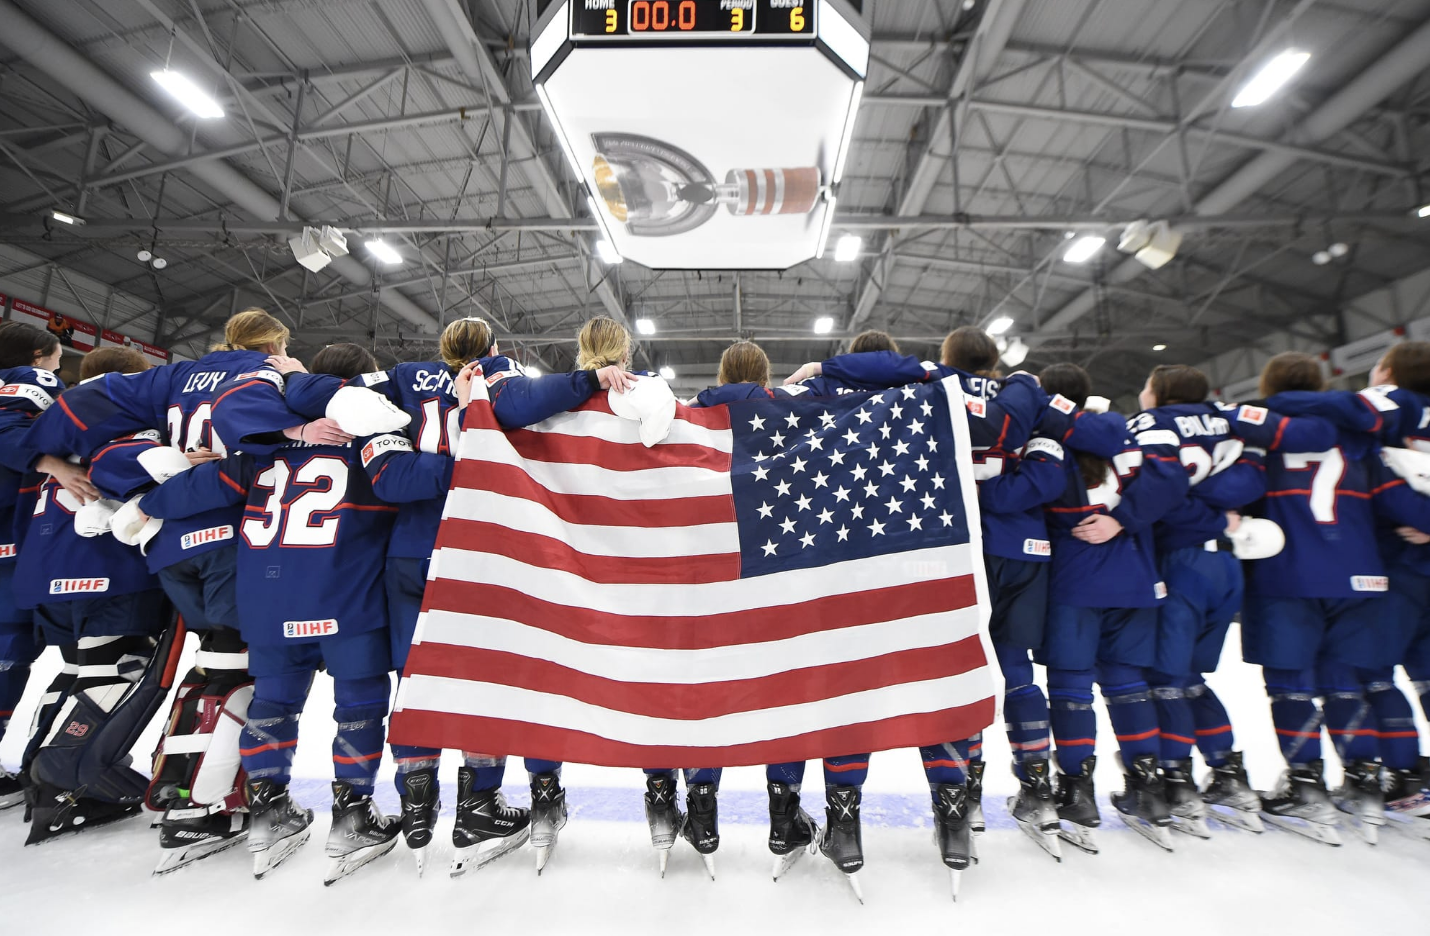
pixel 156 355
pixel 71 332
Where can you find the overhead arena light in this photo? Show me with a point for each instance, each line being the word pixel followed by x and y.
pixel 1000 325
pixel 667 373
pixel 645 326
pixel 1016 353
pixel 823 325
pixel 847 248
pixel 1270 79
pixel 1159 347
pixel 383 251
pixel 1084 248
pixel 1423 211
pixel 188 94
pixel 607 251
pixel 532 370
pixel 1153 243
pixel 63 218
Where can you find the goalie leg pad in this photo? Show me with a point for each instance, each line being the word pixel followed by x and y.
pixel 56 694
pixel 120 685
pixel 197 763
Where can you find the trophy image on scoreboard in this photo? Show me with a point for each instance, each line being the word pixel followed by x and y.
pixel 659 190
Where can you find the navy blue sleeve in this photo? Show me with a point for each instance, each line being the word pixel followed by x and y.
pixel 1101 434
pixel 1022 402
pixel 1038 479
pixel 251 410
pixel 115 468
pixel 308 394
pixel 400 474
pixel 1161 483
pixel 1244 482
pixel 27 393
pixel 876 370
pixel 98 411
pixel 519 400
pixel 206 487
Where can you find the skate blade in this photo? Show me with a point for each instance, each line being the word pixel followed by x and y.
pixel 1323 832
pixel 477 857
pixel 339 868
pixel 1079 837
pixel 1413 826
pixel 855 886
pixel 419 858
pixel 1195 826
pixel 14 799
pixel 784 862
pixel 269 858
pixel 954 880
pixel 709 861
pixel 1161 836
pixel 175 858
pixel 1242 819
pixel 976 823
pixel 543 855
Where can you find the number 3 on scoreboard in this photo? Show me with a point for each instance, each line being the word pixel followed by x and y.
pixel 611 20
pixel 796 19
pixel 737 19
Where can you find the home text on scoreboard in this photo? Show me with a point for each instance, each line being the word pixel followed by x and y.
pixel 702 20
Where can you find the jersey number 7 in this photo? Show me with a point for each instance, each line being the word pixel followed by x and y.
pixel 1329 468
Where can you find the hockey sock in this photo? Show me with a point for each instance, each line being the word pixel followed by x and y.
pixel 946 763
pixel 1025 709
pixel 536 766
pixel 1070 712
pixel 488 770
pixel 694 775
pixel 1294 713
pixel 790 774
pixel 271 732
pixel 361 707
pixel 1349 719
pixel 1395 732
pixel 1174 716
pixel 846 770
pixel 51 702
pixel 1215 739
pixel 1130 708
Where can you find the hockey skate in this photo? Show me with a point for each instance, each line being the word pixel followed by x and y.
pixel 793 832
pixel 702 823
pixel 189 833
pixel 953 830
pixel 1077 807
pixel 277 826
pixel 975 797
pixel 1035 810
pixel 486 828
pixel 1407 801
pixel 1189 811
pixel 12 791
pixel 59 812
pixel 1361 797
pixel 1301 804
pixel 360 833
pixel 665 819
pixel 843 842
pixel 421 802
pixel 1143 802
pixel 1230 798
pixel 548 815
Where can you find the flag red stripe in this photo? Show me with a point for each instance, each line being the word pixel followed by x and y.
pixel 592 508
pixel 776 622
pixel 710 417
pixel 502 736
pixel 616 456
pixel 706 700
pixel 548 553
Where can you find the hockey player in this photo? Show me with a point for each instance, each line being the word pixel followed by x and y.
pixel 412 468
pixel 1311 611
pixel 94 599
pixel 29 358
pixel 310 513
pixel 1103 593
pixel 197 783
pixel 1221 447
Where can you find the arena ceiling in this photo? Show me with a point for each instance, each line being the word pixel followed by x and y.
pixel 417 118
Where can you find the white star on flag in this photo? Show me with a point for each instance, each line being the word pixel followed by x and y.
pixel 937 481
pixel 825 516
pixel 783 488
pixel 765 509
pixel 807 539
pixel 827 418
pixel 769 547
pixel 876 528
pixel 821 479
pixel 778 439
pixel 895 506
pixel 787 525
pixel 757 423
pixel 803 502
pixel 792 421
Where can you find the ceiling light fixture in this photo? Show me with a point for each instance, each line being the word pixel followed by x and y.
pixel 847 248
pixel 607 252
pixel 1000 325
pixel 1423 211
pixel 383 251
pixel 1159 347
pixel 1084 248
pixel 65 218
pixel 532 370
pixel 823 325
pixel 645 326
pixel 667 373
pixel 188 94
pixel 1270 79
pixel 1016 353
pixel 1321 257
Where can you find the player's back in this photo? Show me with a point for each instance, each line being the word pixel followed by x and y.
pixel 1219 478
pixel 189 397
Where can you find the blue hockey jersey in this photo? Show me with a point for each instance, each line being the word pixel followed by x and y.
pixel 1322 501
pixel 1145 481
pixel 25 393
pixel 1396 504
pixel 313 536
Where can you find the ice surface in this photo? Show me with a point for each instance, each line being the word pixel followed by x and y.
pixel 603 877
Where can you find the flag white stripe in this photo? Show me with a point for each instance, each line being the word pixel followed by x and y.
pixel 518 513
pixel 692 667
pixel 644 484
pixel 463 697
pixel 697 600
pixel 594 424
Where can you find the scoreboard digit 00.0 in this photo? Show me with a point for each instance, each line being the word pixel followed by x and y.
pixel 702 20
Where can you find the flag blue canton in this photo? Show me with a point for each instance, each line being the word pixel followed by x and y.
pixel 829 479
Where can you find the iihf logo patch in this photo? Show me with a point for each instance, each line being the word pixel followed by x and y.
pixel 303 629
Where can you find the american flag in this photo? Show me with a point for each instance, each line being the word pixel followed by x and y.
pixel 778 580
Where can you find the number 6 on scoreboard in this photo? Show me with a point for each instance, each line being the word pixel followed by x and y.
pixel 796 19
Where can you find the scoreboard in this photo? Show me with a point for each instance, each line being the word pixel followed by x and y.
pixel 708 134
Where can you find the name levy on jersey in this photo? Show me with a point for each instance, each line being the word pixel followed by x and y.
pixel 215 534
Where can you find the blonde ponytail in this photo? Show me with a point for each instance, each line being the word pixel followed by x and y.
pixel 252 330
pixel 464 341
pixel 603 342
